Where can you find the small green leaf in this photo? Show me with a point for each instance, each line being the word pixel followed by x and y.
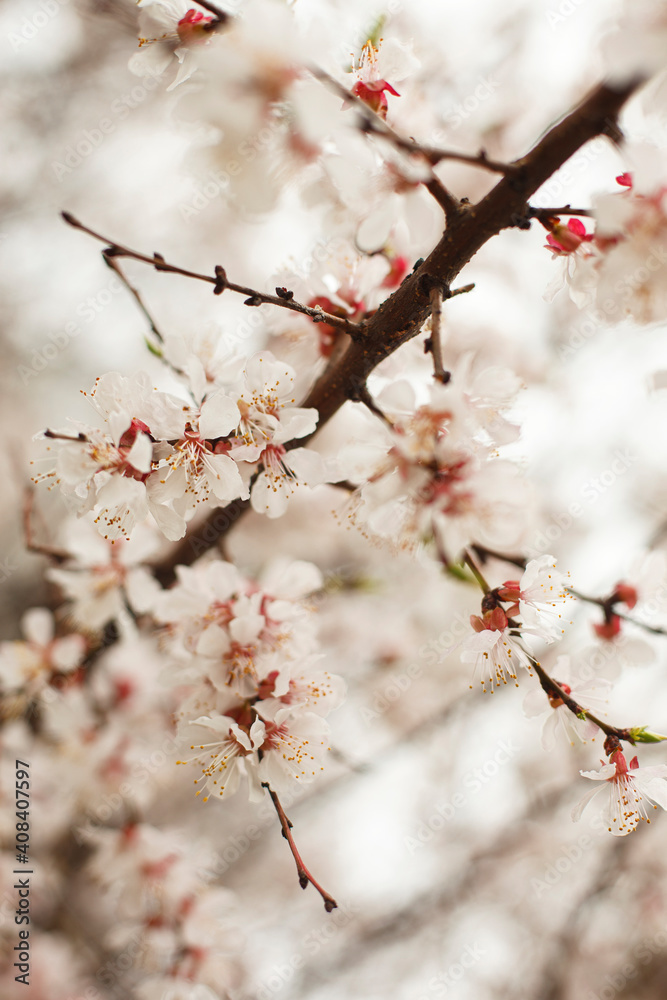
pixel 153 348
pixel 641 734
pixel 461 572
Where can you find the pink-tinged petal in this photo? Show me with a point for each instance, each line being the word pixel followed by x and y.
pixel 577 227
pixel 257 733
pixel 224 579
pixel 263 372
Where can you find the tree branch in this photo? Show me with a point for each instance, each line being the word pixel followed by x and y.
pixel 283 297
pixel 304 875
pixel 400 317
pixel 373 123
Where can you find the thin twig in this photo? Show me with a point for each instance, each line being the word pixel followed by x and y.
pixel 110 261
pixel 484 552
pixel 364 396
pixel 372 122
pixel 545 214
pixel 219 280
pixel 552 688
pixel 57 436
pixel 462 290
pixel 304 875
pixel 439 372
pixel 221 15
pixel 58 555
pixel 609 606
pixel 470 563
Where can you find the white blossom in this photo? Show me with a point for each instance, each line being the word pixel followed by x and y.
pixel 627 794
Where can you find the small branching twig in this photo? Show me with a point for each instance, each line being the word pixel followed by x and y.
pixel 547 214
pixel 364 396
pixel 110 261
pixel 608 605
pixel 372 122
pixel 220 281
pixel 486 553
pixel 553 690
pixel 304 875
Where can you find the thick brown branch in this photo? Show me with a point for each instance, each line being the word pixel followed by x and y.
pixel 402 315
pixel 199 540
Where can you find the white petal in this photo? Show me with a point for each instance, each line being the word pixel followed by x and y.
pixel 224 478
pixel 219 416
pixel 245 630
pixel 68 652
pixel 37 626
pixel 308 465
pixel 140 454
pixel 267 499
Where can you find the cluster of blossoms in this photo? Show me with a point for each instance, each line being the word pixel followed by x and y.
pixel 434 471
pixel 160 456
pixel 535 604
pixel 534 610
pixel 178 928
pixel 621 267
pixel 256 699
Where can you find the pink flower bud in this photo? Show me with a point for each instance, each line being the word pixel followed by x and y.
pixel 626 594
pixel 608 630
